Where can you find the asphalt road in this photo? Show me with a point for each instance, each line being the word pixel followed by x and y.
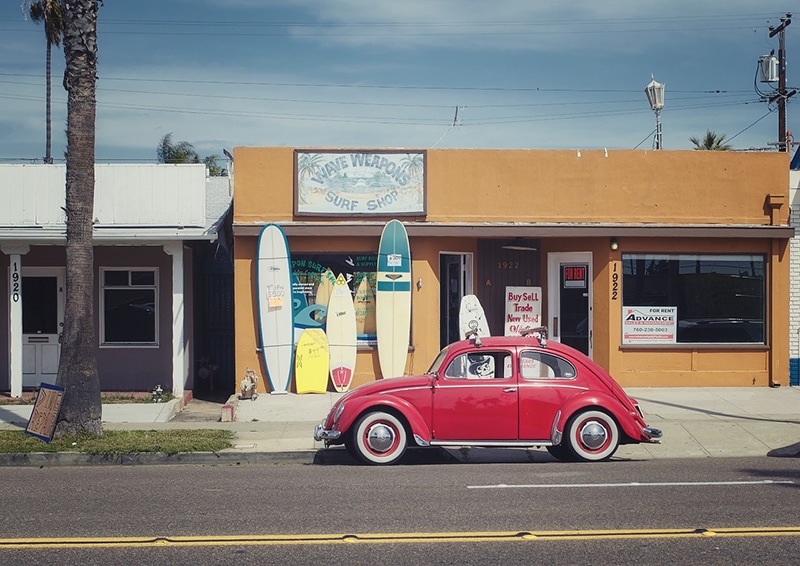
pixel 694 511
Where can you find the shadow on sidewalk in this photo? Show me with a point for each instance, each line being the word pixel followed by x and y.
pixel 714 413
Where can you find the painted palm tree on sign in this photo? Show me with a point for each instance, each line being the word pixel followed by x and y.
pixel 82 408
pixel 51 13
pixel 711 142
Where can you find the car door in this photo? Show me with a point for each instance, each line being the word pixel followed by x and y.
pixel 545 382
pixel 475 398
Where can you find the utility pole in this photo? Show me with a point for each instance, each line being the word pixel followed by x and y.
pixel 781 96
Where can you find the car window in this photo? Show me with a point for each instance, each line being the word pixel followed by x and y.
pixel 480 365
pixel 539 365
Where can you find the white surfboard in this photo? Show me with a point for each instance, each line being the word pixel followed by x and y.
pixel 341 331
pixel 393 299
pixel 471 317
pixel 275 317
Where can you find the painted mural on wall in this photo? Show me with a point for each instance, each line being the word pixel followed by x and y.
pixel 378 183
pixel 313 278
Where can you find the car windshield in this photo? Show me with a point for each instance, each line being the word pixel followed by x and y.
pixel 437 363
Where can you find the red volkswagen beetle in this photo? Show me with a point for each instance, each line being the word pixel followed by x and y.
pixel 513 391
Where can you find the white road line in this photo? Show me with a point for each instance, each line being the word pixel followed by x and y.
pixel 629 484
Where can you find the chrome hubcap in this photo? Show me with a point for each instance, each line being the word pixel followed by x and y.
pixel 593 436
pixel 380 437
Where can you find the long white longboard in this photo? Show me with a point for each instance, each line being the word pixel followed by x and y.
pixel 275 317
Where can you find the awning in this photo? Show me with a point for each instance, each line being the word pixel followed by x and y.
pixel 533 230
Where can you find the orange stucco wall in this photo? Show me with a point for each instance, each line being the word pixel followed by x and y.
pixel 484 186
pixel 684 187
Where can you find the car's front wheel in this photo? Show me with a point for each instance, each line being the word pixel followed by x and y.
pixel 592 435
pixel 378 438
pixel 560 452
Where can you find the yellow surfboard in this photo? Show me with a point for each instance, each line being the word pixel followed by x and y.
pixel 365 310
pixel 311 362
pixel 324 291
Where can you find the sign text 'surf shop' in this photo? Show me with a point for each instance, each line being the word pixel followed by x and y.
pixel 358 183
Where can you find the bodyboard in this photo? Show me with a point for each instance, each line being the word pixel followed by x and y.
pixel 311 362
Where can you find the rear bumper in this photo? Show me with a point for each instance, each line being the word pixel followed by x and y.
pixel 652 434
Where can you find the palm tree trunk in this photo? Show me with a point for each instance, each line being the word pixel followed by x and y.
pixel 48 158
pixel 81 411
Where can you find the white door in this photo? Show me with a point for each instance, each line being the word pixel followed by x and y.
pixel 569 299
pixel 42 322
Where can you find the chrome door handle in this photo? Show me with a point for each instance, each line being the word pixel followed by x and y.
pixel 510 390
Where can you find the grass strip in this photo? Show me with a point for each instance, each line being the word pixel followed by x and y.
pixel 113 442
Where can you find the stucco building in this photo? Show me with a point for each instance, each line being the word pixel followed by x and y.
pixel 668 268
pixel 154 227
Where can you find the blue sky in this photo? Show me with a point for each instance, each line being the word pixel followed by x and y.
pixel 390 74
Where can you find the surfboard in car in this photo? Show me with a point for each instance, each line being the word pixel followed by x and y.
pixel 471 317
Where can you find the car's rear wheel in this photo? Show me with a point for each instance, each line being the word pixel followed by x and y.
pixel 379 438
pixel 592 435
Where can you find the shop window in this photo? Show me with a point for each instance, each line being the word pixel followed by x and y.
pixel 712 298
pixel 129 306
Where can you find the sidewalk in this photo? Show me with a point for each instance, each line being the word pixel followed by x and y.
pixel 696 422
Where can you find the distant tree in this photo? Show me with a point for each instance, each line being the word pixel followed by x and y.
pixel 176 152
pixel 214 168
pixel 51 13
pixel 82 408
pixel 711 142
pixel 184 152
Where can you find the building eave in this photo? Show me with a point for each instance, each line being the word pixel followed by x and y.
pixel 527 230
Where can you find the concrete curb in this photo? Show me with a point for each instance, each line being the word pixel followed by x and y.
pixel 66 459
pixel 329 456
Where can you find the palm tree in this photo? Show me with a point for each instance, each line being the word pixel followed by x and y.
pixel 51 13
pixel 711 142
pixel 176 152
pixel 184 152
pixel 82 408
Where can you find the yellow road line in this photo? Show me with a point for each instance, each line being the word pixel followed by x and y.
pixel 390 538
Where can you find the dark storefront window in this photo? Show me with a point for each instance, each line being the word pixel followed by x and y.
pixel 718 298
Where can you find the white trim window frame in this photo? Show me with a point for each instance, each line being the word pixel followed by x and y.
pixel 129 307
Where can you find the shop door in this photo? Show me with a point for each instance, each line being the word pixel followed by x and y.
pixel 455 281
pixel 569 299
pixel 42 320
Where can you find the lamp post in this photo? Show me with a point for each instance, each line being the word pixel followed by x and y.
pixel 655 96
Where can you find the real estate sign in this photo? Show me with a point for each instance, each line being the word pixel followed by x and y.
pixel 649 325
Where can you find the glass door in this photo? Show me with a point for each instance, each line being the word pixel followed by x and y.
pixel 569 299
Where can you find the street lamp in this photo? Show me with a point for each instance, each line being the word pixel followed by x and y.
pixel 655 96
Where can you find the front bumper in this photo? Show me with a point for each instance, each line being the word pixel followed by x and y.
pixel 320 433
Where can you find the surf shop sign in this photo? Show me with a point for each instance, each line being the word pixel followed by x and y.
pixel 360 183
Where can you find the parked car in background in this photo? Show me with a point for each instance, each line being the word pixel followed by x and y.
pixel 511 391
